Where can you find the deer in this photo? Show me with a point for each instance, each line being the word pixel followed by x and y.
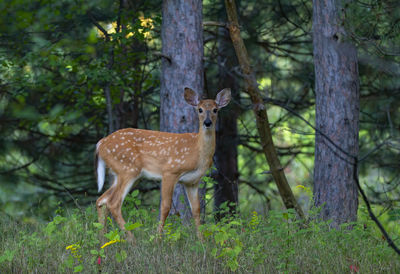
pixel 130 154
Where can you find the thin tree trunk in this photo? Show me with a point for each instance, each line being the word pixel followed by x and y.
pixel 337 115
pixel 182 38
pixel 259 110
pixel 109 105
pixel 226 189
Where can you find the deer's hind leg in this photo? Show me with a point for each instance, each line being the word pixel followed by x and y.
pixel 114 204
pixel 102 209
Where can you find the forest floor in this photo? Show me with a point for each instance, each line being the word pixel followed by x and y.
pixel 277 243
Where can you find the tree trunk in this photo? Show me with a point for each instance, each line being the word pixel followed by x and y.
pixel 182 42
pixel 264 130
pixel 337 115
pixel 226 189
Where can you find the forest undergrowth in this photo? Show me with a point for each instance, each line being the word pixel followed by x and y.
pixel 277 243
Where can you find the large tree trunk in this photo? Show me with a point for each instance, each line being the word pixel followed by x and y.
pixel 226 189
pixel 182 42
pixel 337 112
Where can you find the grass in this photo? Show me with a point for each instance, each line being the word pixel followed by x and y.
pixel 272 244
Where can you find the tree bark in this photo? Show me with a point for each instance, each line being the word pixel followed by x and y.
pixel 264 130
pixel 182 42
pixel 226 189
pixel 337 115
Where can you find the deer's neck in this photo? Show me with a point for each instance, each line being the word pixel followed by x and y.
pixel 206 144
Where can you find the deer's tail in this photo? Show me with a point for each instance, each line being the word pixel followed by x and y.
pixel 100 169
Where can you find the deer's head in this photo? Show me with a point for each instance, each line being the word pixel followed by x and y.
pixel 208 109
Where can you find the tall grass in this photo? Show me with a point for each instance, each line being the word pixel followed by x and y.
pixel 276 243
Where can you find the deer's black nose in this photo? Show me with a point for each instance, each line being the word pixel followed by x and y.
pixel 207 122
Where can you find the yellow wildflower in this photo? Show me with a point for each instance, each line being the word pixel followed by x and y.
pixel 111 242
pixel 73 247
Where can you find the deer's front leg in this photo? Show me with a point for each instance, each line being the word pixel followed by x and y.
pixel 167 190
pixel 192 192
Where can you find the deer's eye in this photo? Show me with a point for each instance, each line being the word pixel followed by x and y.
pixel 215 110
pixel 200 110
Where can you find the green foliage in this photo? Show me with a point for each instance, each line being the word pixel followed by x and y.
pixel 255 243
pixel 7 256
pixel 227 242
pixel 55 63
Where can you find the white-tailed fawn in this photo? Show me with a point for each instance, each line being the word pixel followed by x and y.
pixel 172 157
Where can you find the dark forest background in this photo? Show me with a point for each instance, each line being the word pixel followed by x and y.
pixel 71 72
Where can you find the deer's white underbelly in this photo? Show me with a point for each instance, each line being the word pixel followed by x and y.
pixel 150 175
pixel 192 176
pixel 188 177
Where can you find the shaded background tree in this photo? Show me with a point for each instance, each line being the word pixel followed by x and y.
pixel 336 117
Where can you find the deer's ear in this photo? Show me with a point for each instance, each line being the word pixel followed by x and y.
pixel 191 97
pixel 223 97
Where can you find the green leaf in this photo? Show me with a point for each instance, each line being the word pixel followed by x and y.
pixel 124 254
pixel 59 219
pixel 50 228
pixel 233 264
pixel 94 252
pixel 112 235
pixel 121 256
pixel 130 227
pixel 78 268
pixel 118 257
pixel 98 226
pixel 220 237
pixel 214 252
pixel 135 193
pixel 7 256
pixel 70 262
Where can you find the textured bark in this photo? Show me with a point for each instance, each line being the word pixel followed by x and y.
pixel 182 42
pixel 226 189
pixel 264 130
pixel 337 115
